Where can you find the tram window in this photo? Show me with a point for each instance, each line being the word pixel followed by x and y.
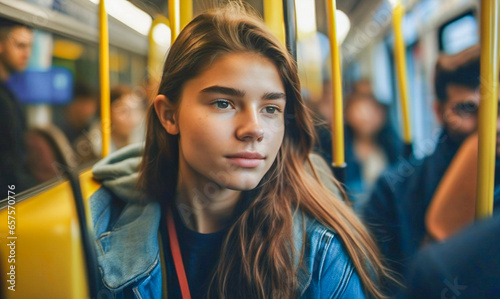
pixel 459 34
pixel 381 73
pixel 80 58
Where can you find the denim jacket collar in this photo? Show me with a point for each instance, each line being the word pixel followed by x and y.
pixel 135 234
pixel 126 227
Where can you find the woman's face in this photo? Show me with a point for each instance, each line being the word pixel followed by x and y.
pixel 126 113
pixel 230 122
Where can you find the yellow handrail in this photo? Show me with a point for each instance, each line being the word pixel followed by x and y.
pixel 104 77
pixel 186 12
pixel 488 107
pixel 156 53
pixel 399 54
pixel 174 18
pixel 274 19
pixel 338 109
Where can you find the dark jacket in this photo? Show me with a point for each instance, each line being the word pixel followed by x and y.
pixel 395 211
pixel 465 266
pixel 13 170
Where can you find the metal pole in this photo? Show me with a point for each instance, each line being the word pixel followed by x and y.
pixel 273 16
pixel 104 78
pixel 174 18
pixel 488 107
pixel 186 13
pixel 399 55
pixel 290 27
pixel 338 147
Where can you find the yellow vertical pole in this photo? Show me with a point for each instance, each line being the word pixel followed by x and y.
pixel 156 54
pixel 104 78
pixel 399 54
pixel 273 17
pixel 186 13
pixel 338 109
pixel 174 18
pixel 488 107
pixel 152 61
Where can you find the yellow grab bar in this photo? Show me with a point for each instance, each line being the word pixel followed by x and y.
pixel 274 19
pixel 186 12
pixel 338 109
pixel 399 54
pixel 104 77
pixel 488 107
pixel 156 52
pixel 174 18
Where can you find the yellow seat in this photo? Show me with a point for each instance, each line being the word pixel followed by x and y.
pixel 49 260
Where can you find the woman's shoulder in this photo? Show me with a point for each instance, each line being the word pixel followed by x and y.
pixel 312 229
pixel 125 222
pixel 126 236
pixel 321 241
pixel 118 174
pixel 328 271
pixel 106 208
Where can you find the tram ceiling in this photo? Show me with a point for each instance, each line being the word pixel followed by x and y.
pixel 357 10
pixel 154 7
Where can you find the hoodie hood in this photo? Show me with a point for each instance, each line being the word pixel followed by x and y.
pixel 119 171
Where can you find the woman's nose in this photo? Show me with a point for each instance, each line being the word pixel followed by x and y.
pixel 250 126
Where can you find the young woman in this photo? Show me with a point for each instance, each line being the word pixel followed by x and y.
pixel 229 209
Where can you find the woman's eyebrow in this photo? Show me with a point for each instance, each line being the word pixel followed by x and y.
pixel 240 93
pixel 274 96
pixel 224 90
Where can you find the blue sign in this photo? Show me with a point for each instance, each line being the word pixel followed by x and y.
pixel 52 86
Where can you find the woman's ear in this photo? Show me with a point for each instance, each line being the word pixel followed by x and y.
pixel 166 113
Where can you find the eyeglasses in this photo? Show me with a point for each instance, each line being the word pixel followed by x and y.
pixel 466 108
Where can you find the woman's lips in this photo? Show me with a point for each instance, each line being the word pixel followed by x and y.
pixel 246 159
pixel 246 163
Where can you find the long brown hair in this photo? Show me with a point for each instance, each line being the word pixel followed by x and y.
pixel 258 254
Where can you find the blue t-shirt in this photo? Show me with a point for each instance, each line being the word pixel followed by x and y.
pixel 200 256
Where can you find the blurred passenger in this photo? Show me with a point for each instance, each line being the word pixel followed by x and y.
pixel 127 111
pixel 49 152
pixel 15 49
pixel 371 143
pixel 396 209
pixel 139 133
pixel 81 112
pixel 363 86
pixel 222 185
pixel 454 203
pixel 465 266
pixel 467 263
pixel 78 119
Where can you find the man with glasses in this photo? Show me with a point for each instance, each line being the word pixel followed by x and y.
pixel 396 209
pixel 456 85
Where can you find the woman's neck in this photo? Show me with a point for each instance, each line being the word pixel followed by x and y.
pixel 202 211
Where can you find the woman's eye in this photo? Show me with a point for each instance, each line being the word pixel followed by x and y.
pixel 271 109
pixel 222 104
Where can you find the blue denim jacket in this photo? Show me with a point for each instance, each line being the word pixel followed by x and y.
pixel 128 251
